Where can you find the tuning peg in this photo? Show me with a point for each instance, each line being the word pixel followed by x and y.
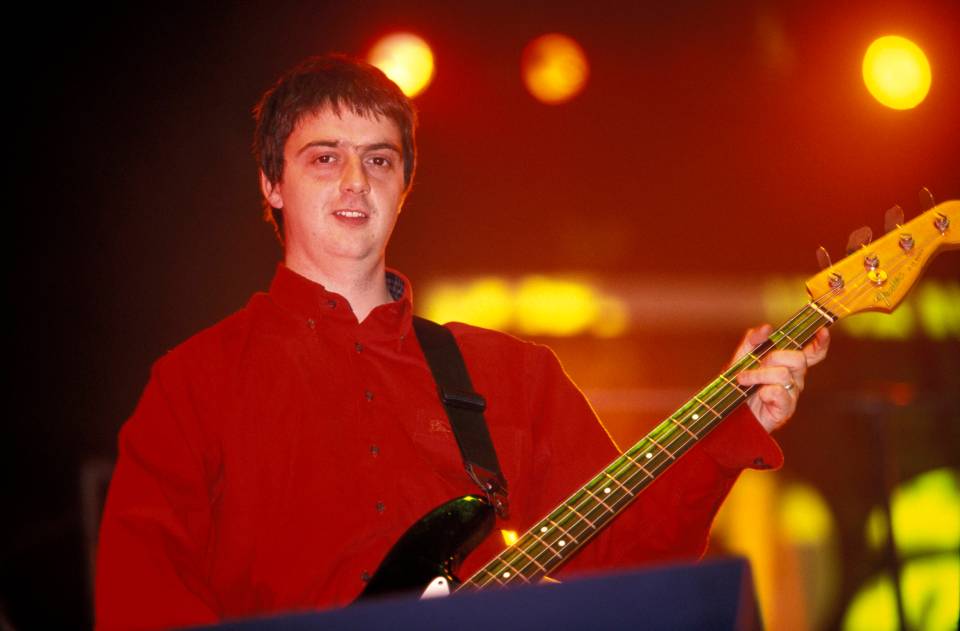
pixel 859 238
pixel 823 258
pixel 926 199
pixel 892 219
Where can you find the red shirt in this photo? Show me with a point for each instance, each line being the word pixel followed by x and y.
pixel 275 457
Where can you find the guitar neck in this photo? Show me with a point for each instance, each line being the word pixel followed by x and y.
pixel 558 536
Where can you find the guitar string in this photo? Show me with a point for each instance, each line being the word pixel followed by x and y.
pixel 816 323
pixel 657 467
pixel 791 324
pixel 586 491
pixel 612 505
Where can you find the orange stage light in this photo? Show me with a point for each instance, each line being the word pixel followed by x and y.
pixel 554 68
pixel 406 59
pixel 896 72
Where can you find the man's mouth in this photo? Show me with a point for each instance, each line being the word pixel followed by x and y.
pixel 350 214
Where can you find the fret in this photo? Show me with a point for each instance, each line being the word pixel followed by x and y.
pixel 617 482
pixel 509 570
pixel 577 513
pixel 708 406
pixel 826 315
pixel 661 448
pixel 683 427
pixel 491 574
pixel 790 339
pixel 533 560
pixel 599 501
pixel 735 385
pixel 640 466
pixel 564 530
pixel 546 545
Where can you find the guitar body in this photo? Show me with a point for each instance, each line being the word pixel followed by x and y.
pixel 429 553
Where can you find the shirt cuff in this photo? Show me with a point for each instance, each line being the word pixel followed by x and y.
pixel 741 442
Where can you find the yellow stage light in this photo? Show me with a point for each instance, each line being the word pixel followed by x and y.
pixel 554 68
pixel 896 72
pixel 406 59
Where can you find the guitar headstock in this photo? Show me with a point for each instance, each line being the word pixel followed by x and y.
pixel 878 275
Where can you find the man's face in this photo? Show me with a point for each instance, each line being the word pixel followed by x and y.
pixel 341 191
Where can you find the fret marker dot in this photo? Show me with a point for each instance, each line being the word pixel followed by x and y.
pixel 606 490
pixel 506 575
pixel 649 455
pixel 561 543
pixel 543 529
pixel 695 416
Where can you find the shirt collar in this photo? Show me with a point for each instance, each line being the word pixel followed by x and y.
pixel 313 301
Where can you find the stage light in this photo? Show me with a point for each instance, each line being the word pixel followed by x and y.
pixel 554 68
pixel 896 72
pixel 406 59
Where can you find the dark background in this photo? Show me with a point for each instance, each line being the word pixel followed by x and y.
pixel 713 139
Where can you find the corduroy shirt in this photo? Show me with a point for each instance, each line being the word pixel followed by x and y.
pixel 275 457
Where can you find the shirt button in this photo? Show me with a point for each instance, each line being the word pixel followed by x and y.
pixel 332 304
pixel 359 347
pixel 374 450
pixel 368 395
pixel 365 576
pixel 311 323
pixel 381 507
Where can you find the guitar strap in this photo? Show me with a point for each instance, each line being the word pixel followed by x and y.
pixel 464 408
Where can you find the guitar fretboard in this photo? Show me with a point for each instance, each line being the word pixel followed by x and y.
pixel 556 537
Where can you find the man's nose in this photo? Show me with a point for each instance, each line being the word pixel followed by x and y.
pixel 354 179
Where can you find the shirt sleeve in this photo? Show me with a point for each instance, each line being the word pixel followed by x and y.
pixel 671 518
pixel 156 524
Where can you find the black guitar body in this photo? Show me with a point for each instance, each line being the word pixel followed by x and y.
pixel 433 547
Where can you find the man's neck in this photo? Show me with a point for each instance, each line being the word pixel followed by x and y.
pixel 365 288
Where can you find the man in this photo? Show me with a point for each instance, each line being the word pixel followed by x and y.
pixel 275 457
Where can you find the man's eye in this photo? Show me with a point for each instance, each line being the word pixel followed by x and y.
pixel 380 161
pixel 325 159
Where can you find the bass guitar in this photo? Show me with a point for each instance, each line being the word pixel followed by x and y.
pixel 876 277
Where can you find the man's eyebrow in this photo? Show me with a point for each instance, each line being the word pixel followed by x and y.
pixel 374 146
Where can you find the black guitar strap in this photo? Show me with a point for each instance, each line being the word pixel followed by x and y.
pixel 464 409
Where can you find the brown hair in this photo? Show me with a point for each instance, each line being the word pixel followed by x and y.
pixel 336 81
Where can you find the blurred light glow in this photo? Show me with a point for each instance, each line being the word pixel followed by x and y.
pixel 926 532
pixel 899 325
pixel 804 515
pixel 939 307
pixel 509 536
pixel 554 68
pixel 406 59
pixel 486 302
pixel 531 305
pixel 896 72
pixel 931 600
pixel 926 514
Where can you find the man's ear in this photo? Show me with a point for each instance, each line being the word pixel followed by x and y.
pixel 271 192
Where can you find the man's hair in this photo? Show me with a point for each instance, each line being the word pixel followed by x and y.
pixel 334 81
